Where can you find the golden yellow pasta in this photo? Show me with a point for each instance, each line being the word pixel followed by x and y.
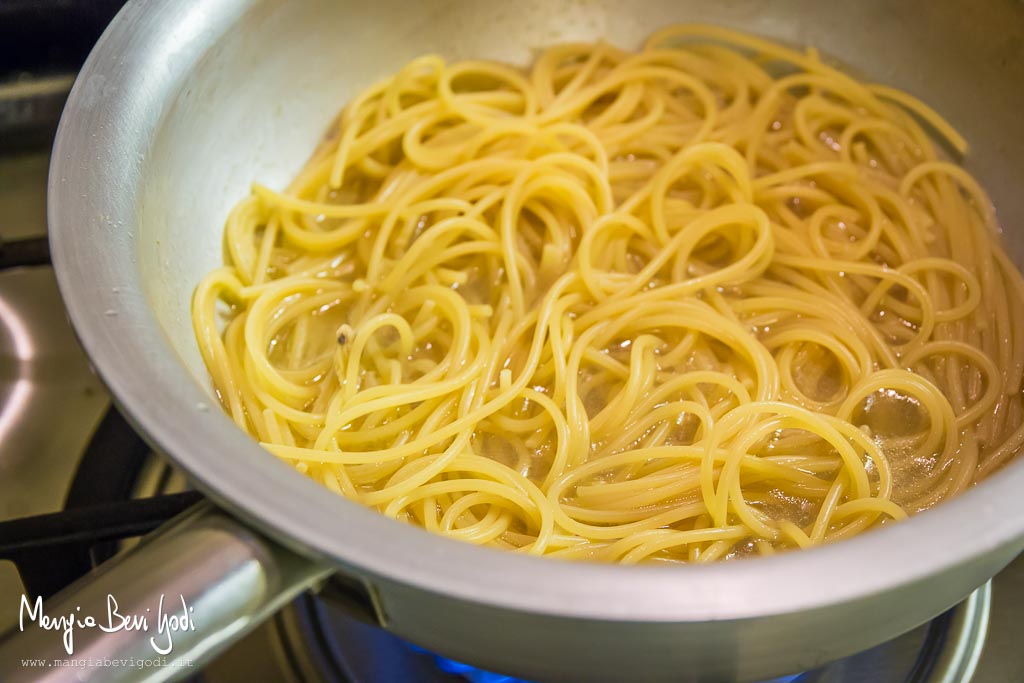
pixel 708 299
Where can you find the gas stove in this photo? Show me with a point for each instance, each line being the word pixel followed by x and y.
pixel 78 485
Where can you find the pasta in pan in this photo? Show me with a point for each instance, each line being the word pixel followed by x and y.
pixel 708 299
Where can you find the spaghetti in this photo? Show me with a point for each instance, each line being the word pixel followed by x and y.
pixel 712 298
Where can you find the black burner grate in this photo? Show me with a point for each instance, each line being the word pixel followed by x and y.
pixel 98 513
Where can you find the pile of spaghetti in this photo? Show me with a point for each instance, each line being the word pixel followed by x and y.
pixel 708 299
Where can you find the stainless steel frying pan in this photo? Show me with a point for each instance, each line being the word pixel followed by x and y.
pixel 184 102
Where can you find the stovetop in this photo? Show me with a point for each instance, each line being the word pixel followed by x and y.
pixel 62 446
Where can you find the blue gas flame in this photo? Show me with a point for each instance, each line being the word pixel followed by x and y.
pixel 475 675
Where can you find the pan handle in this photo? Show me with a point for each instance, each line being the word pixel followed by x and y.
pixel 200 582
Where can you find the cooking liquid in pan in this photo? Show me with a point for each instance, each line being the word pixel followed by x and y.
pixel 709 299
